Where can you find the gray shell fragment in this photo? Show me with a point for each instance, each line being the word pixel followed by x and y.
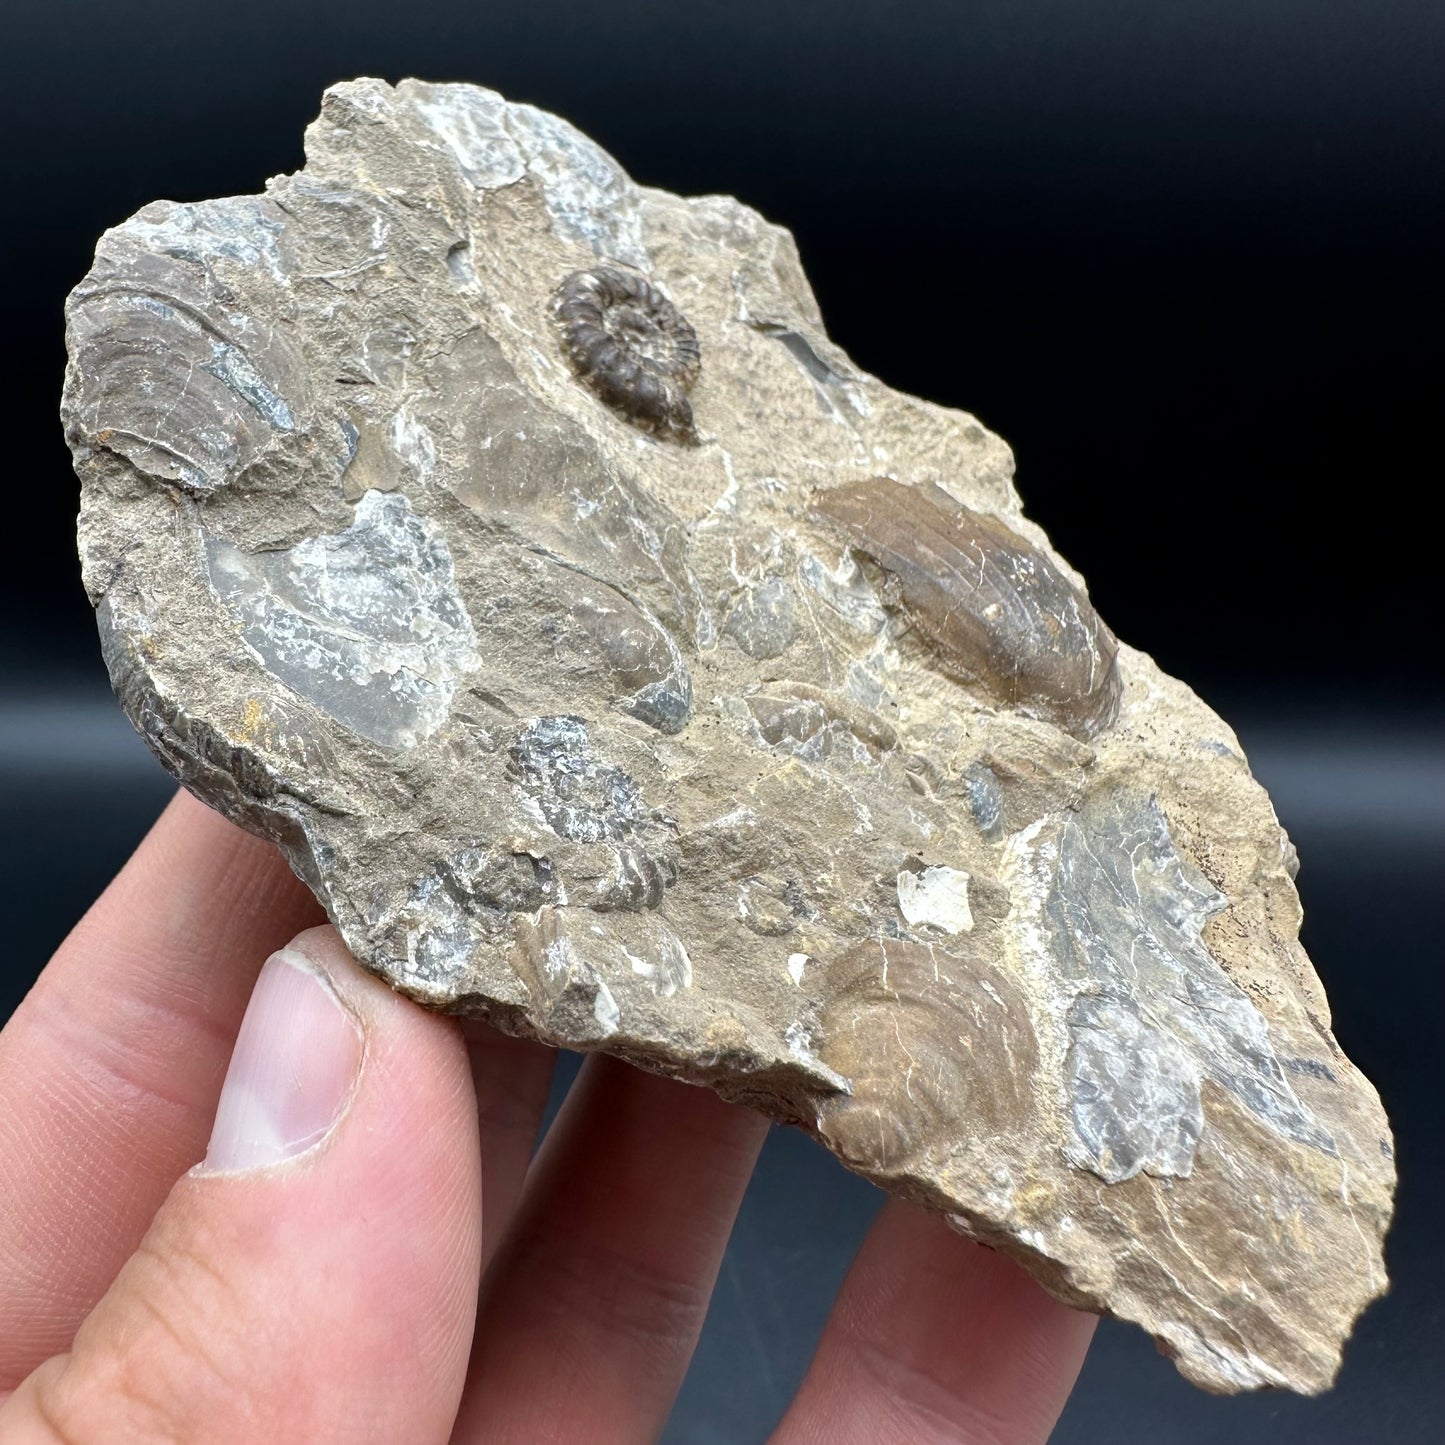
pixel 1155 1015
pixel 792 761
pixel 367 624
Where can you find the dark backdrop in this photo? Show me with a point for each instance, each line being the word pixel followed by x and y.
pixel 1185 257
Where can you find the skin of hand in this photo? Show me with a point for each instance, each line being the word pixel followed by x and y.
pixel 368 1249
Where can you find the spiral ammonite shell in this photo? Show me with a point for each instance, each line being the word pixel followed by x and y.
pixel 631 346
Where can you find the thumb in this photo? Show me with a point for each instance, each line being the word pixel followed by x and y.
pixel 315 1278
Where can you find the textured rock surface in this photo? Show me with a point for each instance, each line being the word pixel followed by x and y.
pixel 725 716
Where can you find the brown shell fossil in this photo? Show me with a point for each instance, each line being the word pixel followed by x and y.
pixel 952 1024
pixel 631 346
pixel 995 609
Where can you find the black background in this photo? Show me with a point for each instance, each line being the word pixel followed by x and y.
pixel 1185 257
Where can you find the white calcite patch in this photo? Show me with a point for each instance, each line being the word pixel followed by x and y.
pixel 937 897
pixel 605 1010
pixel 665 965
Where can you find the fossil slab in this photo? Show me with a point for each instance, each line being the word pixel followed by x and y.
pixel 619 663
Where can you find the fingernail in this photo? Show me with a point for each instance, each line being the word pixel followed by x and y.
pixel 296 1059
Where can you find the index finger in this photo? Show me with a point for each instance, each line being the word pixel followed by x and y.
pixel 111 1067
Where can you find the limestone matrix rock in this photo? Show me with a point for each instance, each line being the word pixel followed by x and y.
pixel 619 663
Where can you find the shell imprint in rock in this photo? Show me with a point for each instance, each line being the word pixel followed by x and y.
pixel 775 750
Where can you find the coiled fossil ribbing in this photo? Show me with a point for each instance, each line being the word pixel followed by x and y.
pixel 631 346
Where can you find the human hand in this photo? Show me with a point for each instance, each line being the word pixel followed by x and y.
pixel 365 1254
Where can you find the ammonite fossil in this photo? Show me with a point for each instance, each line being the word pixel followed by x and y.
pixel 632 347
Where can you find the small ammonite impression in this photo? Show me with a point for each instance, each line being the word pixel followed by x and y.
pixel 632 347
